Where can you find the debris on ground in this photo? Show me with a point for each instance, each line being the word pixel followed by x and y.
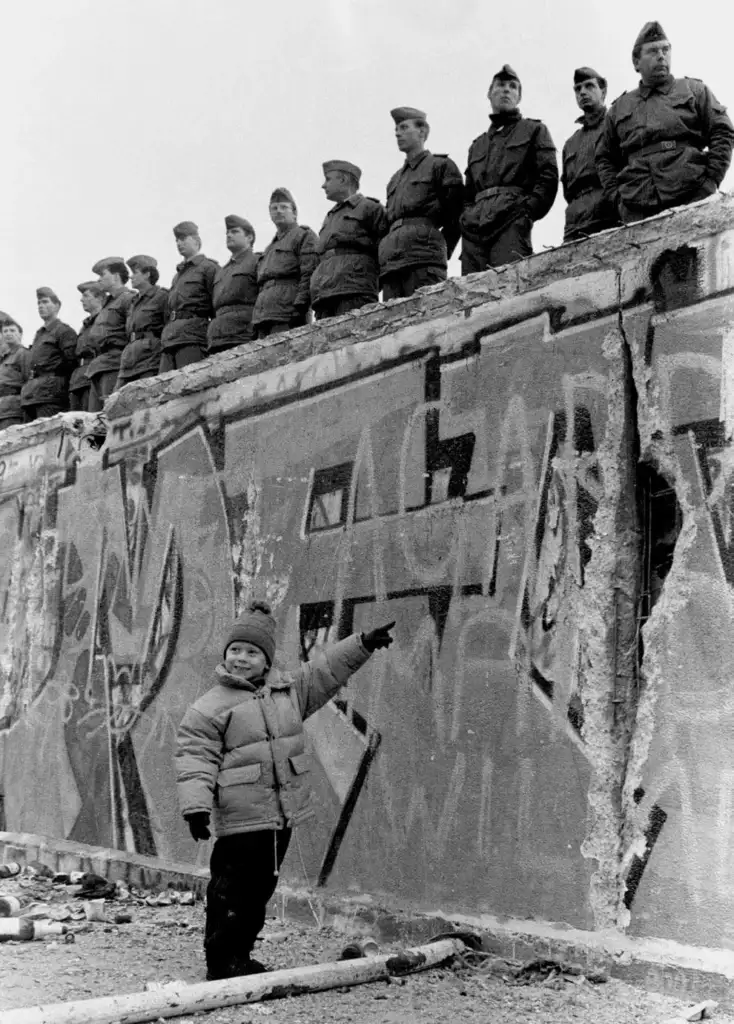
pixel 162 942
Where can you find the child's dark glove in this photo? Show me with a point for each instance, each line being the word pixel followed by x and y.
pixel 379 637
pixel 198 823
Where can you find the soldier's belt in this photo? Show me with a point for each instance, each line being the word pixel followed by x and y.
pixel 185 314
pixel 496 190
pixel 234 307
pixel 341 250
pixel 412 220
pixel 664 146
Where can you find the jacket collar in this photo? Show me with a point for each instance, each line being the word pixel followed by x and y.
pixel 352 201
pixel 193 262
pixel 646 90
pixel 413 161
pixel 591 121
pixel 500 120
pixel 274 680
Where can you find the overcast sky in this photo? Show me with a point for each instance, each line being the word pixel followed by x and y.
pixel 121 119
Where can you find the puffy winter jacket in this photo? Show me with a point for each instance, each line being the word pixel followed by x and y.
pixel 241 749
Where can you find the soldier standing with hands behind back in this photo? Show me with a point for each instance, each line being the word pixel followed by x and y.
pixel 588 209
pixel 347 274
pixel 511 181
pixel 666 143
pixel 424 203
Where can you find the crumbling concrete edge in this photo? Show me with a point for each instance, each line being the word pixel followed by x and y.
pixel 689 972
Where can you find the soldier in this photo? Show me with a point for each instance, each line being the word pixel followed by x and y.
pixel 189 302
pixel 52 359
pixel 424 203
pixel 347 274
pixel 588 210
pixel 146 319
pixel 284 271
pixel 235 288
pixel 92 300
pixel 108 332
pixel 511 181
pixel 666 143
pixel 14 370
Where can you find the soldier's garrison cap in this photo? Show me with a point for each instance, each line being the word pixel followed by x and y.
pixel 399 114
pixel 585 73
pixel 651 32
pixel 142 263
pixel 282 195
pixel 48 293
pixel 186 228
pixel 101 265
pixel 91 286
pixel 342 165
pixel 507 72
pixel 233 221
pixel 6 320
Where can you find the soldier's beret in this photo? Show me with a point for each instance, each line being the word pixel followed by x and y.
pixel 651 32
pixel 507 72
pixel 48 293
pixel 91 286
pixel 282 195
pixel 101 265
pixel 342 165
pixel 233 221
pixel 186 228
pixel 584 74
pixel 142 263
pixel 399 114
pixel 6 320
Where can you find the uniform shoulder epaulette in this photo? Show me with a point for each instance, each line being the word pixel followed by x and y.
pixel 372 199
pixel 691 78
pixel 441 156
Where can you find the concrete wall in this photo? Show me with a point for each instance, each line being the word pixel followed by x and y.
pixel 529 471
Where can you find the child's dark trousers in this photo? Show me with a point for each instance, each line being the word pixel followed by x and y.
pixel 242 881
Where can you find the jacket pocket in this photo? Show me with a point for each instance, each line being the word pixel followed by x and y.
pixel 301 763
pixel 237 776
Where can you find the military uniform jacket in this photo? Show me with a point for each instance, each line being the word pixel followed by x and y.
pixel 516 159
pixel 235 292
pixel 190 302
pixel 14 370
pixel 652 147
pixel 424 202
pixel 588 210
pixel 146 319
pixel 284 276
pixel 347 248
pixel 109 333
pixel 86 350
pixel 52 358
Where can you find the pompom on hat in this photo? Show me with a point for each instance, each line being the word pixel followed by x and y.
pixel 255 626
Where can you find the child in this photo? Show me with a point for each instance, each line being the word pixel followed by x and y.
pixel 241 750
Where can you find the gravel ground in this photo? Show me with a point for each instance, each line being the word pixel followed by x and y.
pixel 163 943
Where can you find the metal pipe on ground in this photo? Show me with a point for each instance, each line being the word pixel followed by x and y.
pixel 177 999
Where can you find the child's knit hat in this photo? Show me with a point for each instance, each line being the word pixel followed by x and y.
pixel 255 626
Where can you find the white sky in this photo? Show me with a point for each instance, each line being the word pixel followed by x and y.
pixel 120 119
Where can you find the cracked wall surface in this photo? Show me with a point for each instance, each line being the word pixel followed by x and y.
pixel 478 462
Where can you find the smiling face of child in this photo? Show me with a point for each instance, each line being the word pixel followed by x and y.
pixel 246 660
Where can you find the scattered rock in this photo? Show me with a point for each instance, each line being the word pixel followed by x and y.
pixel 123 917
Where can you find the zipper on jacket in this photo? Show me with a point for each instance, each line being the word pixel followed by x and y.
pixel 278 787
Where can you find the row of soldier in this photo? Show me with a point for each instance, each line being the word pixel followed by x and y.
pixel 664 144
